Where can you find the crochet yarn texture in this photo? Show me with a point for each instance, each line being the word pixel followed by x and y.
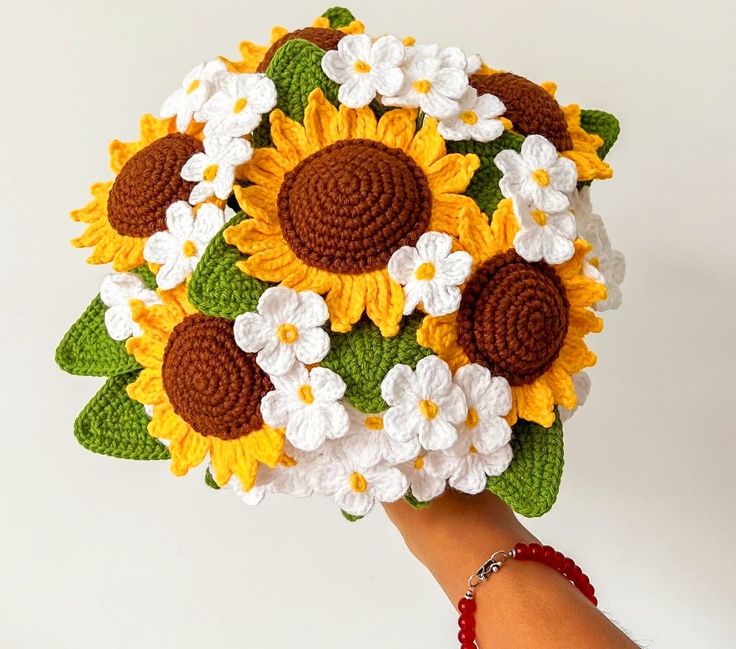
pixel 353 266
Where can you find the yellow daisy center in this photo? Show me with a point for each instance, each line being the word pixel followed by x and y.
pixel 426 271
pixel 210 173
pixel 374 422
pixel 469 117
pixel 193 86
pixel 189 249
pixel 240 105
pixel 358 483
pixel 539 216
pixel 419 463
pixel 423 86
pixel 541 177
pixel 361 67
pixel 429 409
pixel 472 449
pixel 305 394
pixel 472 420
pixel 288 334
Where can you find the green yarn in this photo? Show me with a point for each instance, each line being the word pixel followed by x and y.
pixel 88 350
pixel 416 504
pixel 210 481
pixel 217 286
pixel 530 485
pixel 483 189
pixel 149 279
pixel 350 517
pixel 296 70
pixel 363 357
pixel 113 424
pixel 602 124
pixel 338 17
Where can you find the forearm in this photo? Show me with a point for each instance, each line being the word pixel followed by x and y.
pixel 524 605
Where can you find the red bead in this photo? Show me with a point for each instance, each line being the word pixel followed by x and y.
pixel 574 574
pixel 522 551
pixel 548 553
pixel 582 581
pixel 558 560
pixel 466 605
pixel 470 645
pixel 593 600
pixel 587 590
pixel 535 551
pixel 567 566
pixel 466 621
pixel 466 636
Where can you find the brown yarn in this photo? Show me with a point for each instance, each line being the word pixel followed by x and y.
pixel 513 317
pixel 211 383
pixel 350 206
pixel 322 37
pixel 148 183
pixel 531 109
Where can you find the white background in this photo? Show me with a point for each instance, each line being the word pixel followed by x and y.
pixel 97 552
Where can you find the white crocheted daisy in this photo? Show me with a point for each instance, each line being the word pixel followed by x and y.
pixel 434 80
pixel 369 444
pixel 547 236
pixel 116 292
pixel 195 90
pixel 471 468
pixel 581 382
pixel 477 118
pixel 489 400
pixel 236 109
pixel 214 170
pixel 430 273
pixel 364 68
pixel 424 404
pixel 604 264
pixel 179 248
pixel 354 487
pixel 287 328
pixel 538 176
pixel 307 405
pixel 427 474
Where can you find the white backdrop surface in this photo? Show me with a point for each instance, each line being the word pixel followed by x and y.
pixel 96 552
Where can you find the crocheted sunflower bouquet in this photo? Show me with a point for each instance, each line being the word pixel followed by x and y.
pixel 353 266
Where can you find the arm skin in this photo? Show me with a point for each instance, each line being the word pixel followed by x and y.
pixel 524 605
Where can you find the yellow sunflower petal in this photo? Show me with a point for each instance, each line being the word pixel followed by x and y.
pixel 585 147
pixel 476 236
pixel 563 389
pixel 289 137
pixel 440 335
pixel 448 210
pixel 354 27
pixel 302 277
pixel 452 173
pixel 583 291
pixel 222 459
pixel 187 452
pixel 534 402
pixel 267 167
pixel 166 424
pixel 266 445
pixel 148 387
pixel 320 121
pixel 384 302
pixel 427 146
pixel 346 301
pixel 504 225
pixel 356 123
pixel 397 127
pixel 272 264
pixel 575 355
pixel 583 321
pixel 259 203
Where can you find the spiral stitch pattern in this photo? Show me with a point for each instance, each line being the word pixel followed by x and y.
pixel 529 107
pixel 211 383
pixel 348 207
pixel 322 37
pixel 513 317
pixel 148 183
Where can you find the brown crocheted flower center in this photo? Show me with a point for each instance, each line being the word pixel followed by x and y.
pixel 148 183
pixel 211 383
pixel 350 206
pixel 322 37
pixel 531 109
pixel 513 317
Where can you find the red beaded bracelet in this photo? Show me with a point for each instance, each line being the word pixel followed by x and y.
pixel 545 554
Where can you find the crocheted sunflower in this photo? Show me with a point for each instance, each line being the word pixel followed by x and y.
pixel 358 267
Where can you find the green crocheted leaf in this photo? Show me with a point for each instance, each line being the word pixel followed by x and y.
pixel 296 70
pixel 88 350
pixel 113 424
pixel 416 504
pixel 350 517
pixel 209 480
pixel 483 189
pixel 218 287
pixel 531 483
pixel 363 357
pixel 338 17
pixel 602 124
